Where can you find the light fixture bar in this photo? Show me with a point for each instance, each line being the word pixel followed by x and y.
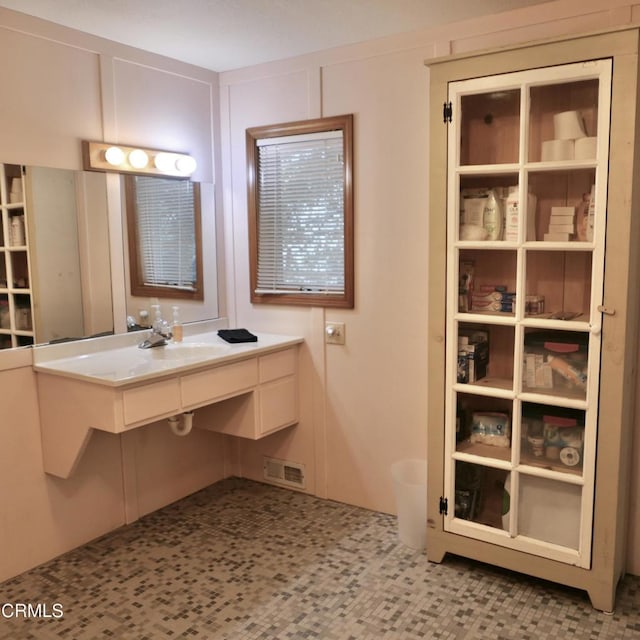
pixel 120 158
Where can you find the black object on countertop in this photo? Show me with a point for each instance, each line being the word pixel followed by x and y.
pixel 237 335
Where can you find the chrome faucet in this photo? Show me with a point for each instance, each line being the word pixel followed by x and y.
pixel 156 339
pixel 160 332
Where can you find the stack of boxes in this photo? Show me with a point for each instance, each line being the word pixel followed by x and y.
pixel 562 224
pixel 473 354
pixel 493 298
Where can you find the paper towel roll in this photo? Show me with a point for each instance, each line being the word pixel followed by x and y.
pixel 568 125
pixel 553 150
pixel 585 148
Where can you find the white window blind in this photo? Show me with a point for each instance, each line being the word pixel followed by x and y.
pixel 301 214
pixel 166 232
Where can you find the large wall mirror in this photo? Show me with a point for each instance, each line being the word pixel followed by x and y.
pixel 55 281
pixel 69 254
pixel 181 248
pixel 65 219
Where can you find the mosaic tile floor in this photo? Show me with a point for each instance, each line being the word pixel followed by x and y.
pixel 246 561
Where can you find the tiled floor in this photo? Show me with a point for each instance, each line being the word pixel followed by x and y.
pixel 247 561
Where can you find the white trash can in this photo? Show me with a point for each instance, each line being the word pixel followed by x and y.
pixel 410 488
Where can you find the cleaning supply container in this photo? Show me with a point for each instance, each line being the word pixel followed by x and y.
pixel 410 488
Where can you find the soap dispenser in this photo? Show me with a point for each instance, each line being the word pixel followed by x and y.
pixel 176 327
pixel 157 318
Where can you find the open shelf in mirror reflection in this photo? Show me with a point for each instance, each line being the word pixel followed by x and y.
pixel 66 232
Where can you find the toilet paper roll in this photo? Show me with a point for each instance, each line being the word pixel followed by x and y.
pixel 568 125
pixel 553 150
pixel 585 148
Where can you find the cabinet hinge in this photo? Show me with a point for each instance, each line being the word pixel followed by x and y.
pixel 444 506
pixel 447 112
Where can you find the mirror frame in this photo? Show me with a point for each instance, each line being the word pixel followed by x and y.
pixel 137 284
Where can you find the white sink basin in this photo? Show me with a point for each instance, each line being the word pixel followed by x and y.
pixel 118 361
pixel 128 363
pixel 188 351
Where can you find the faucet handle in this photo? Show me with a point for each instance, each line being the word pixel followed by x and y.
pixel 164 329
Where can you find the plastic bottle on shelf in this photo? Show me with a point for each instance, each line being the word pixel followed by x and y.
pixel 591 215
pixel 15 195
pixel 492 219
pixel 17 231
pixel 158 322
pixel 176 327
pixel 512 214
pixel 582 218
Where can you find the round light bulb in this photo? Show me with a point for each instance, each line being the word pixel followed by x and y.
pixel 138 159
pixel 164 161
pixel 114 156
pixel 186 165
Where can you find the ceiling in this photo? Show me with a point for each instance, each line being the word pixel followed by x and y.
pixel 229 34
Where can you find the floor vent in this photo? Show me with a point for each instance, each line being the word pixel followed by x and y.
pixel 289 474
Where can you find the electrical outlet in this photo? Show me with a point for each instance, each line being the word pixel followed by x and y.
pixel 334 332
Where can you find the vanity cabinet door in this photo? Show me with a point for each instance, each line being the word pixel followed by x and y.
pixel 278 390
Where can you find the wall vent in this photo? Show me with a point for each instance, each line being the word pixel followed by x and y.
pixel 288 474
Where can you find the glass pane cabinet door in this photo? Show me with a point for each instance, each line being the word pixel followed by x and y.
pixel 526 192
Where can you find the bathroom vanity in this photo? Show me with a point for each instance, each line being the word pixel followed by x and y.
pixel 249 390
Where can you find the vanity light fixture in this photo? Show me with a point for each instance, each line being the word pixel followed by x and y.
pixel 138 159
pixel 105 156
pixel 114 156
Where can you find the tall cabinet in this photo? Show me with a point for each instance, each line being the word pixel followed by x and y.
pixel 16 305
pixel 533 307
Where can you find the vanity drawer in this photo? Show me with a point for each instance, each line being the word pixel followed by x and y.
pixel 277 365
pixel 278 404
pixel 225 381
pixel 150 401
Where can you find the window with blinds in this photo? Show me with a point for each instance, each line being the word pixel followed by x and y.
pixel 300 202
pixel 164 237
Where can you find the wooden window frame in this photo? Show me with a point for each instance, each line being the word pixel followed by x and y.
pixel 138 286
pixel 344 299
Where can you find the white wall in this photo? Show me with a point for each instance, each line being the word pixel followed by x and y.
pixel 368 398
pixel 60 87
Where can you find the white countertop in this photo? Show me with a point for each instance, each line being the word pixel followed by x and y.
pixel 117 360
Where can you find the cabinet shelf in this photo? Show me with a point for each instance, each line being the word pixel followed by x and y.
pixel 488 169
pixel 488 461
pixel 491 317
pixel 16 296
pixel 546 321
pixel 572 245
pixel 533 466
pixel 554 399
pixel 494 387
pixel 550 473
pixel 500 458
pixel 477 452
pixel 560 165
